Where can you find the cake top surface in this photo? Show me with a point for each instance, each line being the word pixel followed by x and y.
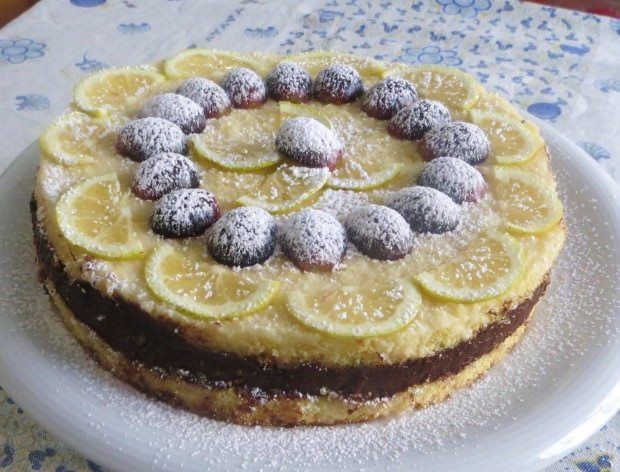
pixel 355 166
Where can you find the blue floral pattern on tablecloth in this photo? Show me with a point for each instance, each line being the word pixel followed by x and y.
pixel 133 28
pixel 560 65
pixel 465 8
pixel 32 102
pixel 20 50
pixel 430 55
pixel 87 3
pixel 89 65
pixel 597 151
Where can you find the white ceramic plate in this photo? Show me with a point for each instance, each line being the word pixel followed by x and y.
pixel 558 387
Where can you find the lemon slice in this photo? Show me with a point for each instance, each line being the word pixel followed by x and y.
pixel 352 176
pixel 512 142
pixel 345 311
pixel 96 216
pixel 287 189
pixel 493 103
pixel 205 289
pixel 369 69
pixel 70 139
pixel 454 88
pixel 485 269
pixel 211 64
pixel 525 200
pixel 242 141
pixel 311 110
pixel 115 88
pixel 237 157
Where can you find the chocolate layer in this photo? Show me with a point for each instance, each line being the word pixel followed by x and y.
pixel 133 332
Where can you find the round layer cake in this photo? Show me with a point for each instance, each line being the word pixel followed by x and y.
pixel 311 239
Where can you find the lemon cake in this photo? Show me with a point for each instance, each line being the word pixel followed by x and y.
pixel 285 240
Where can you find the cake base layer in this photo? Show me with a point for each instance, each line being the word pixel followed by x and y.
pixel 259 408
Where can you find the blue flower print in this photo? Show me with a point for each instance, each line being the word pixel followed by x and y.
pixel 431 55
pixel 615 25
pixel 544 110
pixel 578 50
pixel 326 16
pixel 37 458
pixel 133 28
pixel 20 50
pixel 87 3
pixel 601 464
pixel 31 102
pixel 90 65
pixel 597 151
pixel 465 8
pixel 7 455
pixel 268 32
pixel 608 85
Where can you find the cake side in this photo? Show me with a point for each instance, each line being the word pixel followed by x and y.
pixel 256 407
pixel 132 333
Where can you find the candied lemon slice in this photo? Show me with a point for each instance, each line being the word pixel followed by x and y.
pixel 452 87
pixel 205 289
pixel 526 202
pixel 237 157
pixel 287 189
pixel 212 64
pixel 96 216
pixel 241 141
pixel 71 139
pixel 493 103
pixel 485 269
pixel 310 110
pixel 346 311
pixel 352 176
pixel 115 88
pixel 369 69
pixel 512 141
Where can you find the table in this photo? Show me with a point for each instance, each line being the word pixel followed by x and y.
pixel 562 66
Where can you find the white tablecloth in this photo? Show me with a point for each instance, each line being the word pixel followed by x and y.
pixel 560 65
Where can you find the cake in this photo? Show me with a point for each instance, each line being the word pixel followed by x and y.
pixel 314 239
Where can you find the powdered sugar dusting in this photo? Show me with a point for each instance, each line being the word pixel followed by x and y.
pixel 98 273
pixel 163 173
pixel 457 139
pixel 308 142
pixel 206 93
pixel 184 212
pixel 142 138
pixel 289 81
pixel 340 202
pixel 55 180
pixel 414 121
pixel 455 178
pixel 338 83
pixel 180 110
pixel 388 96
pixel 426 210
pixel 243 237
pixel 379 232
pixel 313 239
pixel 244 88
